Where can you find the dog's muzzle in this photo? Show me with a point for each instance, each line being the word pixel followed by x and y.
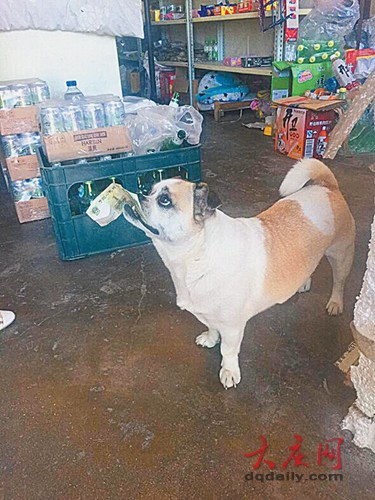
pixel 133 214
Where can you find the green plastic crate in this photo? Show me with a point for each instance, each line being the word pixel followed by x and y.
pixel 79 236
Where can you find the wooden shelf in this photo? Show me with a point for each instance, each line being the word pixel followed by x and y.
pixel 238 17
pixel 232 17
pixel 168 23
pixel 212 19
pixel 218 66
pixel 175 64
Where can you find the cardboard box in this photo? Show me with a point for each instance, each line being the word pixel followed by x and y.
pixel 19 120
pixel 22 167
pixel 290 79
pixel 250 6
pixel 87 143
pixel 181 82
pixel 302 133
pixel 256 61
pixel 36 209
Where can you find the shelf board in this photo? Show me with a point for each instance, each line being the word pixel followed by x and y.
pixel 168 23
pixel 218 66
pixel 211 19
pixel 176 64
pixel 238 17
pixel 231 17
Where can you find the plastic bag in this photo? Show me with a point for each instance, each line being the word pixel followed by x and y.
pixel 330 20
pixel 161 128
pixel 367 40
pixel 112 17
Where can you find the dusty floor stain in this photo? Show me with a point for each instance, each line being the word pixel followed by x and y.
pixel 105 395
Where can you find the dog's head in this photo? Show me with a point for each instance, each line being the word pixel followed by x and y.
pixel 175 210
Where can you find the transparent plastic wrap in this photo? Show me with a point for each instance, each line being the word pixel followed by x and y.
pixel 367 40
pixel 329 21
pixel 91 127
pixel 163 128
pixel 19 138
pixel 111 17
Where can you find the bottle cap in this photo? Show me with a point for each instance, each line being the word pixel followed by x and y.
pixel 71 83
pixel 333 57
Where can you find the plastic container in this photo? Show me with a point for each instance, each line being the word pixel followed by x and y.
pixel 72 91
pixel 79 236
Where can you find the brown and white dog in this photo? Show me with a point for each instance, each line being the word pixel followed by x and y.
pixel 227 270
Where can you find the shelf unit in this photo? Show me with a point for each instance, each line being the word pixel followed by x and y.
pixel 219 21
pixel 212 19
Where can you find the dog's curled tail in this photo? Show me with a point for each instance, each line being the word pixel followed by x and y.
pixel 306 170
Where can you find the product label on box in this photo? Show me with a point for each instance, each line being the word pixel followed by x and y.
pixel 31 210
pixel 23 167
pixel 290 127
pixel 19 120
pixel 90 135
pixel 86 143
pixel 304 76
pixel 302 133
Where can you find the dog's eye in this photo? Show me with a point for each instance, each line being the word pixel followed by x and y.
pixel 164 201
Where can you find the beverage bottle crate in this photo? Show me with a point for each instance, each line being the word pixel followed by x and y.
pixel 79 236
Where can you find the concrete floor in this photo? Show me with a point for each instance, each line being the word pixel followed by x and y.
pixel 104 394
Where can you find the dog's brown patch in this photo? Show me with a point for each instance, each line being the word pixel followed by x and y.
pixel 294 248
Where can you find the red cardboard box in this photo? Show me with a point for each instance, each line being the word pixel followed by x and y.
pixel 302 133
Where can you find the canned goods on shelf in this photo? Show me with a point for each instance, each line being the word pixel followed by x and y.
pixel 11 146
pixel 4 96
pixel 22 95
pixel 114 113
pixel 39 91
pixel 52 120
pixel 27 189
pixel 28 143
pixel 73 118
pixel 93 113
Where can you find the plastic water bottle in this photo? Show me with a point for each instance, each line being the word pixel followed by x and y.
pixel 174 101
pixel 72 91
pixel 342 73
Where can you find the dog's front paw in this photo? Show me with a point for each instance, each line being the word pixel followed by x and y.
pixel 334 308
pixel 207 339
pixel 230 378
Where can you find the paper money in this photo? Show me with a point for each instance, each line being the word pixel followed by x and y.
pixel 109 205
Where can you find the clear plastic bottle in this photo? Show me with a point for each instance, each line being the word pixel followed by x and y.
pixel 209 50
pixel 215 50
pixel 174 101
pixel 72 91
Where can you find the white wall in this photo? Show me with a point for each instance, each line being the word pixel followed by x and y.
pixel 57 56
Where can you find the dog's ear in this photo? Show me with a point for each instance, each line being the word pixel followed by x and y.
pixel 205 201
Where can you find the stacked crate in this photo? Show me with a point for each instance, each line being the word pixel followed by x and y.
pixel 19 137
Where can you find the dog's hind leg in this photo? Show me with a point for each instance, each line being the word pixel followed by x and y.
pixel 208 339
pixel 231 338
pixel 340 256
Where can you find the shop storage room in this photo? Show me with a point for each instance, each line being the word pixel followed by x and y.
pixel 187 249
